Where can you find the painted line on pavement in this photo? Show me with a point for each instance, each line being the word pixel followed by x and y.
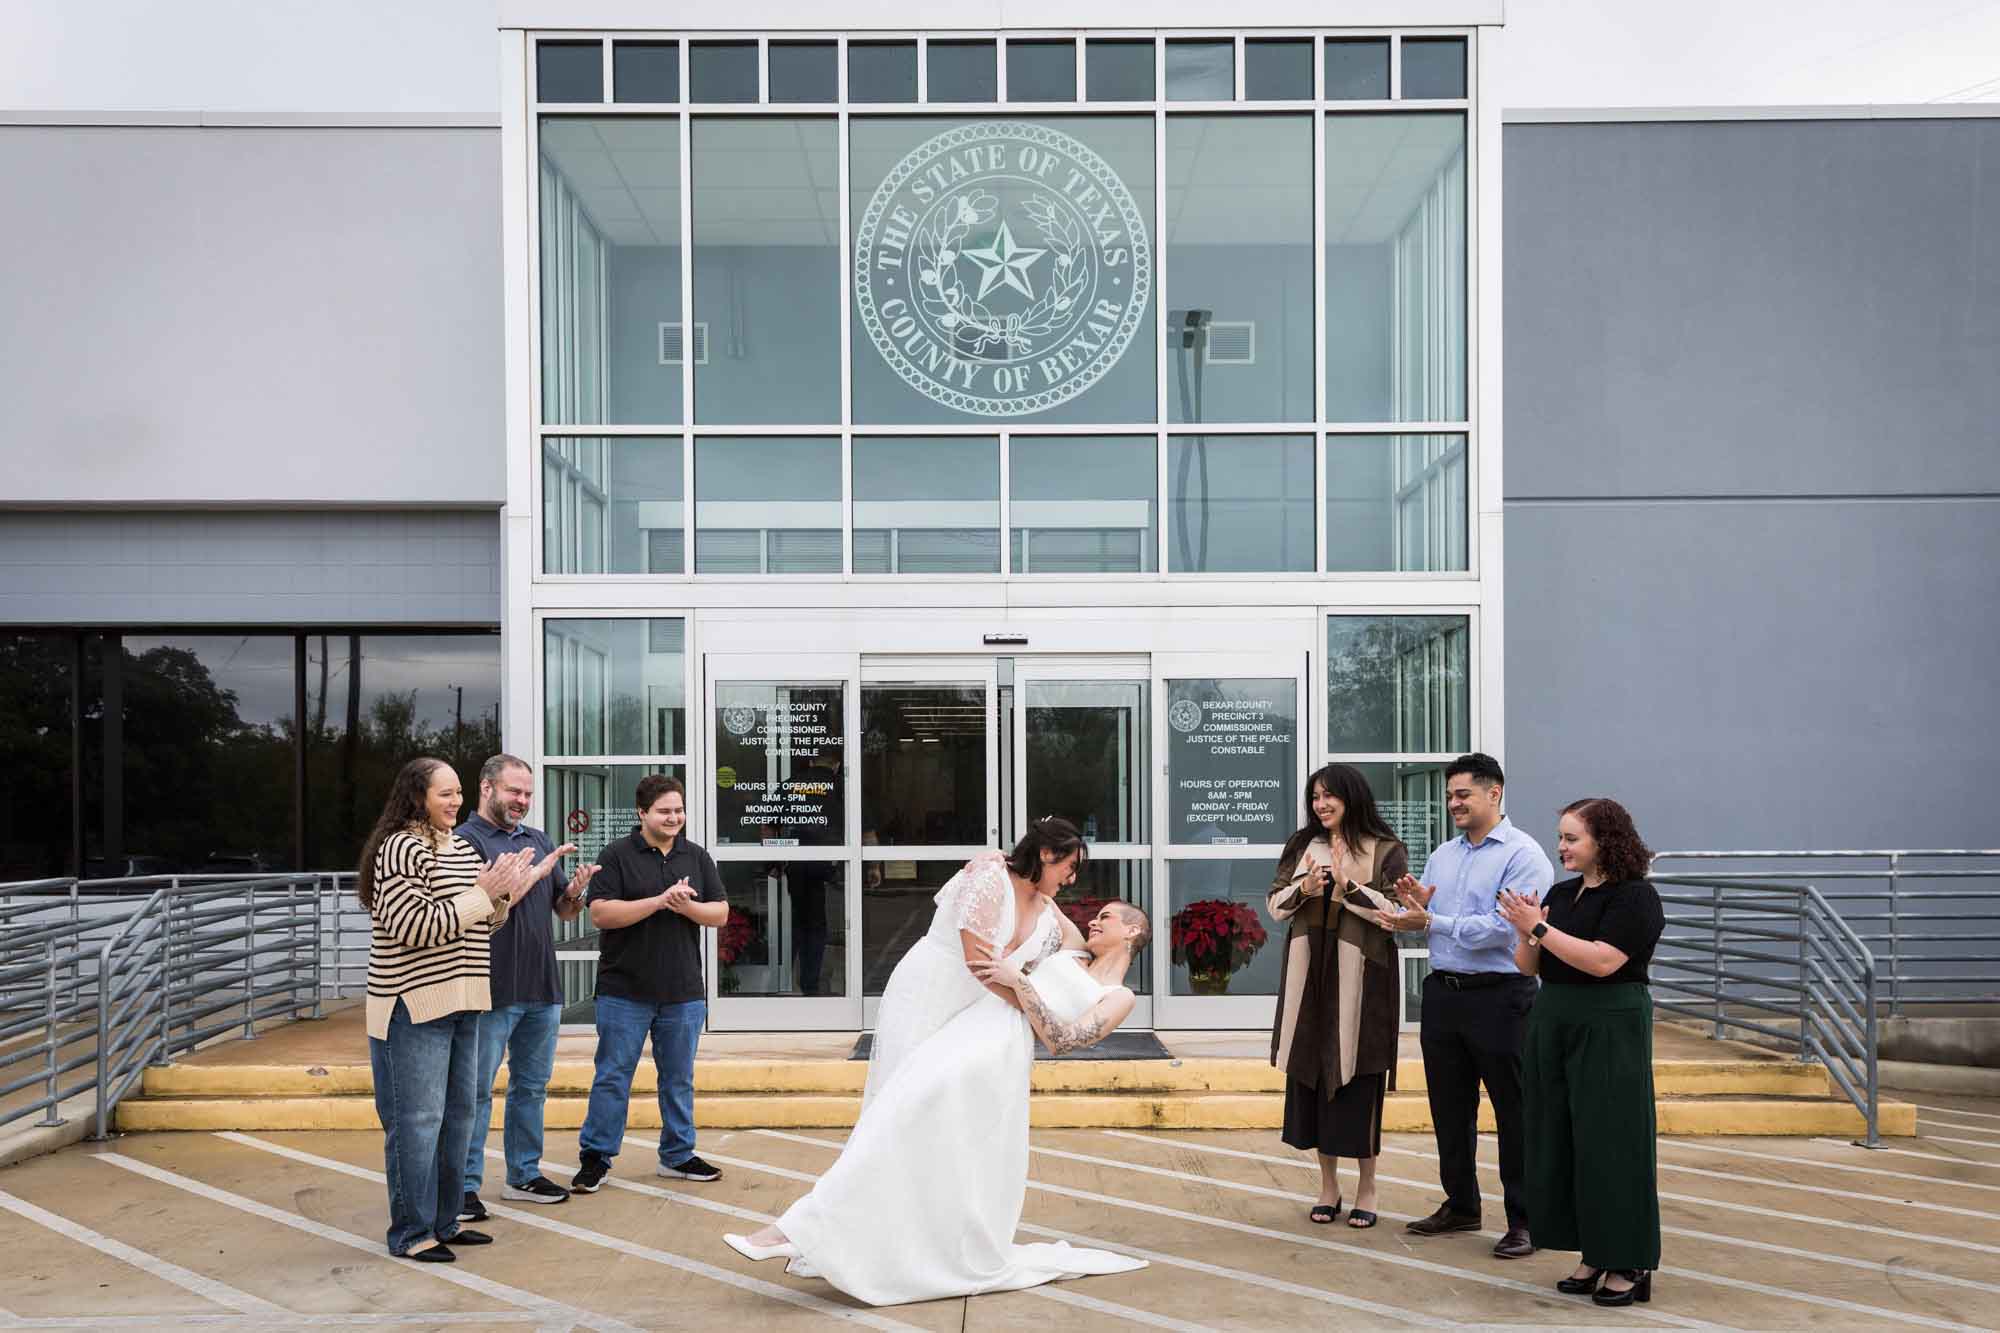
pixel 284 1320
pixel 804 1300
pixel 1927 1156
pixel 208 1288
pixel 1879 1268
pixel 1243 1228
pixel 1091 1303
pixel 1957 1110
pixel 1970 1129
pixel 1685 1145
pixel 485 1286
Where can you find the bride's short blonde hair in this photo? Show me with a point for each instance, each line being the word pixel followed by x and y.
pixel 1141 927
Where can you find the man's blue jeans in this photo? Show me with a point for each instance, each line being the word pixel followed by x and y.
pixel 525 1034
pixel 622 1027
pixel 424 1077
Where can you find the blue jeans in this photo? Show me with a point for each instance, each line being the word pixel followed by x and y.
pixel 424 1077
pixel 622 1026
pixel 526 1035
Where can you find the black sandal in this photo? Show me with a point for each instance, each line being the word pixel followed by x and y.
pixel 1361 1219
pixel 1324 1213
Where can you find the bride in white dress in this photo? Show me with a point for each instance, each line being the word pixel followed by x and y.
pixel 925 1198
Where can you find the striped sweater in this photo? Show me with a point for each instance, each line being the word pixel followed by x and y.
pixel 428 947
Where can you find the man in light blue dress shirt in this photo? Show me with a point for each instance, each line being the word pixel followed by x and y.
pixel 1476 1002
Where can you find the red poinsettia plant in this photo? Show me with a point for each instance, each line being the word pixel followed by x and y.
pixel 734 937
pixel 1082 911
pixel 1216 935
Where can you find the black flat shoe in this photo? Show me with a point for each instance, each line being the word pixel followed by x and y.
pixel 1581 1286
pixel 1324 1213
pixel 1641 1289
pixel 1361 1219
pixel 467 1236
pixel 436 1254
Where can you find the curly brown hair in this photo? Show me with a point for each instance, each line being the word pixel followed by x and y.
pixel 1621 853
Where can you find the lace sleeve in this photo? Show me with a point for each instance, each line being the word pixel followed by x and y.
pixel 978 897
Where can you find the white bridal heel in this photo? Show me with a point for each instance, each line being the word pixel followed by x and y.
pixel 743 1246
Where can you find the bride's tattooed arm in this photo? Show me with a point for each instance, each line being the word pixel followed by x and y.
pixel 1061 1038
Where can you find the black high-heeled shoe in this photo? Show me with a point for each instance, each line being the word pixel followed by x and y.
pixel 1581 1286
pixel 1641 1289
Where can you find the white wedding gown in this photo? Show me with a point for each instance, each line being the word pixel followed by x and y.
pixel 925 1198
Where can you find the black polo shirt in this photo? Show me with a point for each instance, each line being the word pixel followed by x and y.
pixel 524 947
pixel 1627 916
pixel 657 961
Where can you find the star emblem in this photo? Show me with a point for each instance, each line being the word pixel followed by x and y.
pixel 1004 263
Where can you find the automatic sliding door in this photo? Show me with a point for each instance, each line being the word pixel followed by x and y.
pixel 784 837
pixel 928 798
pixel 1082 734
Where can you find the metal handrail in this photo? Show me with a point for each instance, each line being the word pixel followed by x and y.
pixel 101 979
pixel 1818 995
pixel 1957 904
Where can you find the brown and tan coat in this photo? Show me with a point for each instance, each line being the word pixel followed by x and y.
pixel 1338 992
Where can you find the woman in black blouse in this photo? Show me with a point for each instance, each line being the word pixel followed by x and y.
pixel 1587 1071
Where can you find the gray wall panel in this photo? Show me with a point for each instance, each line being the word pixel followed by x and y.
pixel 264 316
pixel 1768 307
pixel 1767 675
pixel 164 568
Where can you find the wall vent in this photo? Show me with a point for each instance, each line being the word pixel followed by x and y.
pixel 1232 342
pixel 670 343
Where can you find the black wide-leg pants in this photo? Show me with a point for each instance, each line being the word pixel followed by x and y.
pixel 1471 1036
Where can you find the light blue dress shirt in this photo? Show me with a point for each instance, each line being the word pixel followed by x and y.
pixel 1467 932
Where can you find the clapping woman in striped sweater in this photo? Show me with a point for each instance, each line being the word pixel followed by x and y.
pixel 433 903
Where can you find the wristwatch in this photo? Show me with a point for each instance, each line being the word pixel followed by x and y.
pixel 1541 928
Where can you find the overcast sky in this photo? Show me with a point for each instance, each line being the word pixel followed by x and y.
pixel 438 55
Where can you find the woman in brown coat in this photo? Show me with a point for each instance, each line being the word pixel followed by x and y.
pixel 1338 995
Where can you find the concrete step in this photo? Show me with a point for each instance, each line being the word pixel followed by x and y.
pixel 1679 1114
pixel 1671 1078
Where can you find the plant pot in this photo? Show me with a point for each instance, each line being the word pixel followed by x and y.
pixel 1208 983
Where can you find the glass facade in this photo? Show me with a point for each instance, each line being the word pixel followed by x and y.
pixel 1160 329
pixel 167 752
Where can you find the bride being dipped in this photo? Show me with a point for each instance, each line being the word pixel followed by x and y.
pixel 925 1198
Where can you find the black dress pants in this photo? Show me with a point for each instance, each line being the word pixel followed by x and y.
pixel 1472 1035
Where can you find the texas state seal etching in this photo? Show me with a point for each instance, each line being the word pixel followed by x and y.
pixel 1001 268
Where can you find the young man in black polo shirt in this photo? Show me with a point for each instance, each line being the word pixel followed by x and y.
pixel 654 893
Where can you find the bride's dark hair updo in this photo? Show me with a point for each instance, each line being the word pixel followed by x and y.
pixel 1052 834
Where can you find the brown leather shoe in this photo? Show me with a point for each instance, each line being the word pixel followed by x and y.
pixel 1514 1245
pixel 1443 1220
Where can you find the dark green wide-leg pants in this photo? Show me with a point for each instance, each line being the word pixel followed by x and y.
pixel 1587 1085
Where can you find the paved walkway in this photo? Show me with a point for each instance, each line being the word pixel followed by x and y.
pixel 284 1230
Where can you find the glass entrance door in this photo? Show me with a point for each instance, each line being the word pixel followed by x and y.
pixel 784 829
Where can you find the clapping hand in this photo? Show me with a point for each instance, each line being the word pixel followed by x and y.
pixel 678 896
pixel 1314 881
pixel 509 874
pixel 1414 893
pixel 579 881
pixel 1521 910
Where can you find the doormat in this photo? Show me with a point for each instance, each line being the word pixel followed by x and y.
pixel 1117 1046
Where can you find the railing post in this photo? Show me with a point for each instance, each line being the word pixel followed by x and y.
pixel 104 1042
pixel 1715 945
pixel 49 1117
pixel 1895 934
pixel 319 946
pixel 250 966
pixel 1805 974
pixel 1870 1037
pixel 166 1052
